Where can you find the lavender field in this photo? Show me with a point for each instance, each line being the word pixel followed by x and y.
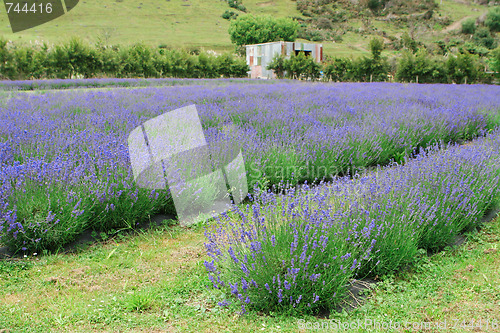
pixel 65 168
pixel 297 252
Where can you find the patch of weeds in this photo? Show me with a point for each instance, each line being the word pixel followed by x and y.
pixel 12 268
pixel 139 301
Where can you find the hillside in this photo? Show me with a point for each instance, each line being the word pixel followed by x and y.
pixel 198 23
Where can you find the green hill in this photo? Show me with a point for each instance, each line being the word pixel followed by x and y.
pixel 198 23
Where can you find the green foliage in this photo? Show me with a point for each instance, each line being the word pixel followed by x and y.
pixel 249 29
pixel 297 66
pixel 236 4
pixel 409 43
pixel 139 301
pixel 315 8
pixel 457 69
pixel 493 19
pixel 76 59
pixel 28 63
pixel 473 48
pixel 375 5
pixel 302 66
pixel 421 67
pixel 376 47
pixel 469 26
pixel 278 66
pixel 484 38
pixel 494 61
pixel 362 69
pixel 370 69
pixel 463 67
pixel 339 69
pixel 229 15
pixel 311 34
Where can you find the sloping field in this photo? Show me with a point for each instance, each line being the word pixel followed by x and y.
pixel 196 23
pixel 176 23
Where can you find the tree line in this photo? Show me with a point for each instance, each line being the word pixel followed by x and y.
pixel 76 59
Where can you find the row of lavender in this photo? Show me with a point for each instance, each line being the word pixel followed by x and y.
pixel 298 251
pixel 64 163
pixel 23 85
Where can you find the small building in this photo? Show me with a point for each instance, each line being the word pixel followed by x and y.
pixel 260 55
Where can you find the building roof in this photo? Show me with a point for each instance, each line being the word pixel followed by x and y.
pixel 279 42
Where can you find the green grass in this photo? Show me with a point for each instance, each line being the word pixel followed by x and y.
pixel 155 281
pixel 456 10
pixel 175 23
pixel 188 24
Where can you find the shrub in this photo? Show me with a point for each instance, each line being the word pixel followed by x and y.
pixel 293 263
pixel 374 5
pixel 473 48
pixel 469 26
pixel 229 15
pixel 311 34
pixel 324 23
pixel 82 60
pixel 236 4
pixel 484 38
pixel 493 19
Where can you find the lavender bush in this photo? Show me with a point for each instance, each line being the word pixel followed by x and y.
pixel 64 160
pixel 297 251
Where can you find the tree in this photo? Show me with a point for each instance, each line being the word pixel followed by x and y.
pixel 7 64
pixel 376 46
pixel 249 29
pixel 495 61
pixel 493 19
pixel 301 66
pixel 370 69
pixel 421 66
pixel 278 66
pixel 339 69
pixel 464 67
